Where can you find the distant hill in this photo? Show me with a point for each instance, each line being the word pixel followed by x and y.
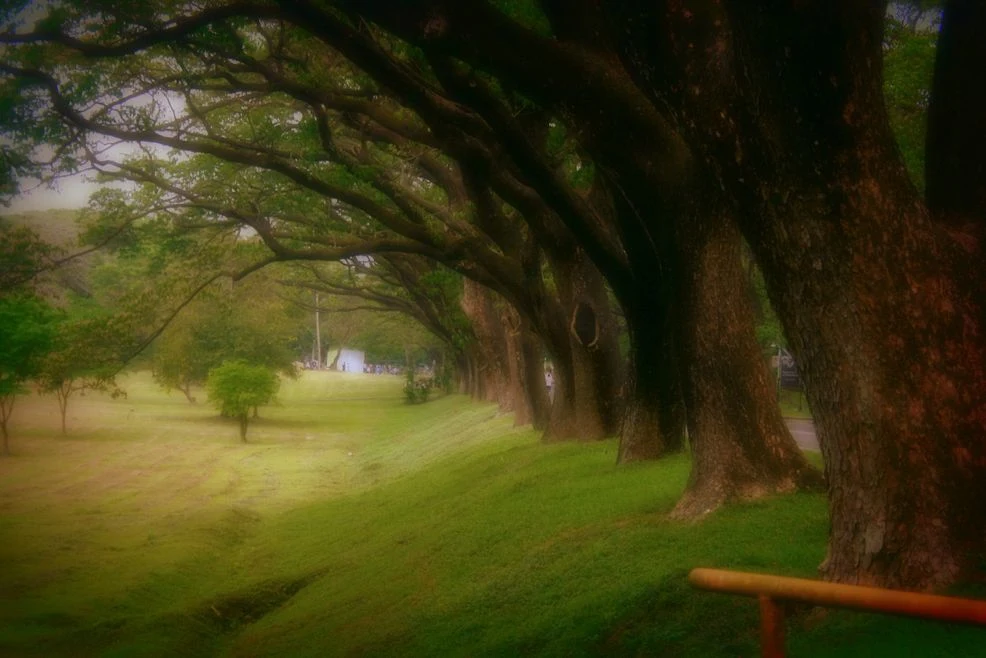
pixel 58 228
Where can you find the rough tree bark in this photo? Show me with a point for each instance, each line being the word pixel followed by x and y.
pixel 741 447
pixel 785 110
pixel 649 163
pixel 654 420
pixel 875 298
pixel 594 342
pixel 466 366
pixel 654 413
pixel 477 304
pixel 531 354
pixel 521 400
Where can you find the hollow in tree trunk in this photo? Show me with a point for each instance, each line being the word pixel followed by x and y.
pixel 582 338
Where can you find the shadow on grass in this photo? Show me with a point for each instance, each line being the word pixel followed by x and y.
pixel 229 612
pixel 195 633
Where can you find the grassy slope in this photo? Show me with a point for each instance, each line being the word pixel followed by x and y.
pixel 354 525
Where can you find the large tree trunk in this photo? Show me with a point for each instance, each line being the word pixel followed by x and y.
pixel 784 108
pixel 520 400
pixel 479 307
pixel 955 156
pixel 654 416
pixel 741 447
pixel 787 107
pixel 468 373
pixel 654 419
pixel 588 388
pixel 892 357
pixel 875 299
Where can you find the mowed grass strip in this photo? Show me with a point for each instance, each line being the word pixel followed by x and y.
pixel 353 524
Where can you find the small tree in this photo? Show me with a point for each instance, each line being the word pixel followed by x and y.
pixel 26 333
pixel 235 387
pixel 248 322
pixel 87 355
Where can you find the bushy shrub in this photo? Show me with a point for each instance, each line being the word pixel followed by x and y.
pixel 236 387
pixel 416 392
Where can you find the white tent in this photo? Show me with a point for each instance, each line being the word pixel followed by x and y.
pixel 350 361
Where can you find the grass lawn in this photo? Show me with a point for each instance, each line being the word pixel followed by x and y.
pixel 794 404
pixel 352 524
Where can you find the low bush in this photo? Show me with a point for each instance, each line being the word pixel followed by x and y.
pixel 416 392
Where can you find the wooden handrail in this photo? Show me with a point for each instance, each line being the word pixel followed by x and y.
pixel 772 590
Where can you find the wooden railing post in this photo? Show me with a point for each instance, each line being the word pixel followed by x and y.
pixel 774 591
pixel 771 628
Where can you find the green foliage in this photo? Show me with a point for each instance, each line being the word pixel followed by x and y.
pixel 445 376
pixel 27 322
pixel 416 391
pixel 27 329
pixel 27 333
pixel 216 330
pixel 236 387
pixel 769 332
pixel 22 255
pixel 87 355
pixel 69 351
pixel 526 12
pixel 246 322
pixel 908 63
pixel 156 263
pixel 391 338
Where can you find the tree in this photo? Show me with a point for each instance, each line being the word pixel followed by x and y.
pixel 27 321
pixel 909 62
pixel 236 387
pixel 246 321
pixel 704 119
pixel 262 178
pixel 88 353
pixel 23 255
pixel 780 115
pixel 27 327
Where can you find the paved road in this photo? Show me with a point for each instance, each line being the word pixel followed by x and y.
pixel 803 431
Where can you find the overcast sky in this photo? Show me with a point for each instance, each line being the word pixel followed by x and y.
pixel 69 193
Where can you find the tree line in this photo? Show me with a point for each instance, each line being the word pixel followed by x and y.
pixel 584 167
